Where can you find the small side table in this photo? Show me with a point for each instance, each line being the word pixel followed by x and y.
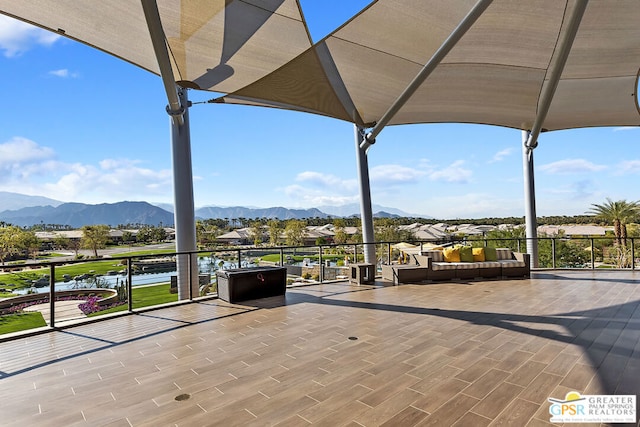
pixel 362 274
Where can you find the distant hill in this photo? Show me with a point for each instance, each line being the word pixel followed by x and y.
pixel 14 201
pixel 166 206
pixel 252 213
pixel 353 209
pixel 383 214
pixel 25 211
pixel 78 214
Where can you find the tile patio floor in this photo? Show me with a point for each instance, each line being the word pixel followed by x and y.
pixel 449 354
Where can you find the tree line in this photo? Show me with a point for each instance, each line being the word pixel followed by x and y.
pixel 16 241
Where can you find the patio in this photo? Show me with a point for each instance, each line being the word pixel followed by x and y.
pixel 477 353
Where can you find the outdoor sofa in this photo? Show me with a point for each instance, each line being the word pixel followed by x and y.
pixel 464 264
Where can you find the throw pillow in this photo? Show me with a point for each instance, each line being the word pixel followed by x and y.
pixel 490 254
pixel 478 255
pixel 451 254
pixel 466 254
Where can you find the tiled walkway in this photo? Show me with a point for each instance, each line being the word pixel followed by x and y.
pixel 65 310
pixel 463 354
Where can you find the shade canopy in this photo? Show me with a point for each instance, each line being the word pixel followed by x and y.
pixel 494 75
pixel 258 52
pixel 215 45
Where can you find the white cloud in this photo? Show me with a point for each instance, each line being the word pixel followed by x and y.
pixel 20 155
pixel 17 37
pixel 320 179
pixel 26 167
pixel 316 188
pixel 501 155
pixel 473 205
pixel 394 174
pixel 454 173
pixel 305 196
pixel 113 179
pixel 625 128
pixel 628 167
pixel 578 190
pixel 327 182
pixel 63 73
pixel 571 166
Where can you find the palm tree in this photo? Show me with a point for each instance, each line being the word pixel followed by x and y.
pixel 620 213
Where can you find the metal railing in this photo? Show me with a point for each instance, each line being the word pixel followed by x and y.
pixel 309 264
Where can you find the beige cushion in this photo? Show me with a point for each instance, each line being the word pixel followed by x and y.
pixel 435 255
pixel 503 253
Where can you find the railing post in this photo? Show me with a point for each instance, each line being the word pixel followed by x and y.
pixel 593 255
pixel 633 255
pixel 321 263
pixel 52 296
pixel 355 253
pixel 389 253
pixel 553 253
pixel 281 257
pixel 239 258
pixel 130 284
pixel 190 277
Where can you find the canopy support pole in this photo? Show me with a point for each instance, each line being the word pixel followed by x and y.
pixel 530 139
pixel 531 221
pixel 184 212
pixel 366 215
pixel 365 140
pixel 428 68
pixel 549 90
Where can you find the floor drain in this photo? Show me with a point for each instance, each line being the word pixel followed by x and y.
pixel 353 338
pixel 182 397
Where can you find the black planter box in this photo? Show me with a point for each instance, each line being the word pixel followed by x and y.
pixel 243 284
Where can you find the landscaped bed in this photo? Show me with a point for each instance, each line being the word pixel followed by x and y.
pixel 143 296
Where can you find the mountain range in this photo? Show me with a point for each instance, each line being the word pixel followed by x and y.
pixel 25 211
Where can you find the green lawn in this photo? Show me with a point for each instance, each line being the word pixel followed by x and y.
pixel 145 296
pixel 21 279
pixel 20 322
pixel 300 258
pixel 7 295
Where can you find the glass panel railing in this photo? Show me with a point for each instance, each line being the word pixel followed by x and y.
pixel 87 288
pixel 19 300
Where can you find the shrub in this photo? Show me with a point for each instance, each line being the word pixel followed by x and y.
pixel 90 305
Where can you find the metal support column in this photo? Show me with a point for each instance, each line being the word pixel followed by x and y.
pixel 530 139
pixel 184 212
pixel 366 215
pixel 181 150
pixel 364 141
pixel 531 221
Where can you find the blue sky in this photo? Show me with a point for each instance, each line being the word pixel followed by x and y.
pixel 81 126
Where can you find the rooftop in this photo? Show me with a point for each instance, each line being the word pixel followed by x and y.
pixel 477 353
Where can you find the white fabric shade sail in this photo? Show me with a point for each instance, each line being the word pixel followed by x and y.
pixel 259 52
pixel 494 75
pixel 216 45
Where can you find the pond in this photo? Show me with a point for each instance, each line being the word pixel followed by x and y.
pixel 206 265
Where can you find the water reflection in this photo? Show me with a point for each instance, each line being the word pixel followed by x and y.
pixel 206 265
